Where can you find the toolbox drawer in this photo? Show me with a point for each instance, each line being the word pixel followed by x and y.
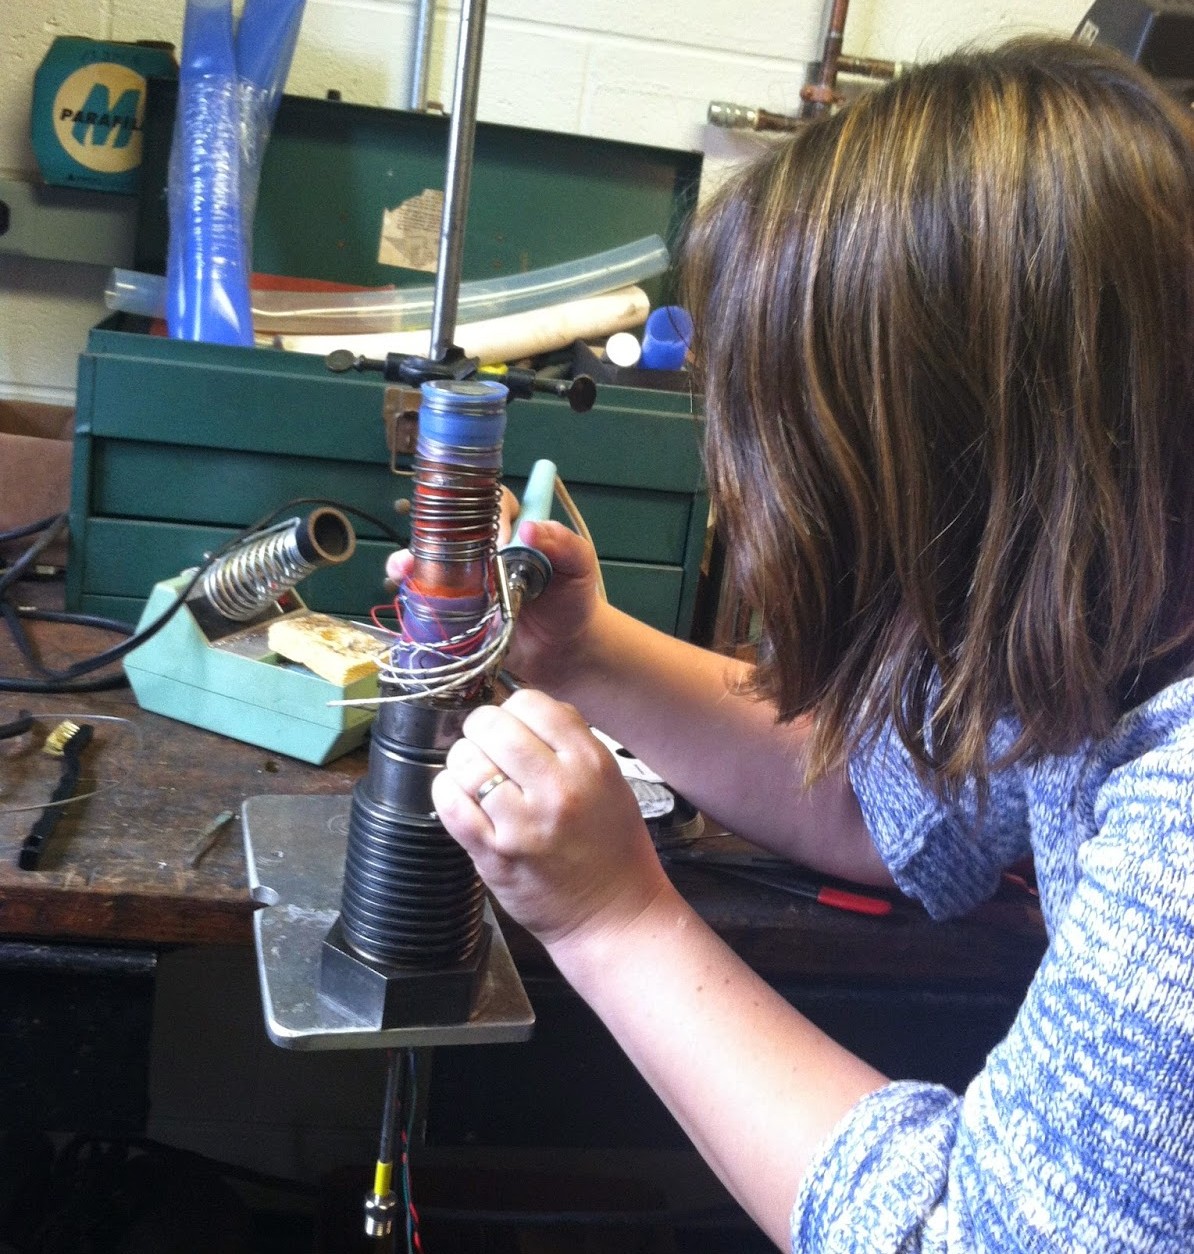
pixel 120 552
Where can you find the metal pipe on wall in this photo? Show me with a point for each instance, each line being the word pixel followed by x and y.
pixel 424 36
pixel 820 95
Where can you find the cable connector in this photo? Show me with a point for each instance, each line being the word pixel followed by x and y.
pixel 380 1209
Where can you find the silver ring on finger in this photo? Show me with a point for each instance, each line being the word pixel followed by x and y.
pixel 494 781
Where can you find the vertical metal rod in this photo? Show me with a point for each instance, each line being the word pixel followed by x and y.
pixel 395 1061
pixel 459 174
pixel 381 1204
pixel 424 36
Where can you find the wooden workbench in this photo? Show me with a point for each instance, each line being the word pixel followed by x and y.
pixel 118 865
pixel 915 998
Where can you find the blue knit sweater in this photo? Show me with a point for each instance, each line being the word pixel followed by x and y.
pixel 1078 1134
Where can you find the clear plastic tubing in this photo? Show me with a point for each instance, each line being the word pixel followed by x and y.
pixel 409 309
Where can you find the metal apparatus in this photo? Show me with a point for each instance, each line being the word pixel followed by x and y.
pixel 412 955
pixel 405 951
pixel 412 901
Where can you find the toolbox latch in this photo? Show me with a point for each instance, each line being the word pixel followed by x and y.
pixel 400 413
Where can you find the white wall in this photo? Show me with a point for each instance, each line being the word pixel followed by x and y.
pixel 644 72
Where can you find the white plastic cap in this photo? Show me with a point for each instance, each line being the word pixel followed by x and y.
pixel 623 349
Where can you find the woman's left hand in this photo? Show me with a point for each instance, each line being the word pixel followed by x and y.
pixel 558 837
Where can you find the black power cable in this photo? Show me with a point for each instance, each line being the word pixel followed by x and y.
pixel 29 529
pixel 72 678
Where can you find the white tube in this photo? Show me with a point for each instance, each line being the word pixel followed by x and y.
pixel 499 339
pixel 409 309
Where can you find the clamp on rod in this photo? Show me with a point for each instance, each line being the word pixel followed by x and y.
pixel 580 391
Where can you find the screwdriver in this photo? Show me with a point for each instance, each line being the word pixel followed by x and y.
pixel 772 873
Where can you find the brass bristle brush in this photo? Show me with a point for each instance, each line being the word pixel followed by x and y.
pixel 67 741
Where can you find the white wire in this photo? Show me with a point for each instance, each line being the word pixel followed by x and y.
pixel 440 680
pixel 436 681
pixel 104 786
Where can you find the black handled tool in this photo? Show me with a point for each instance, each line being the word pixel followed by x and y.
pixel 67 740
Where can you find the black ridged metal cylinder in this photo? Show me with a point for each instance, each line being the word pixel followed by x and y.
pixel 412 897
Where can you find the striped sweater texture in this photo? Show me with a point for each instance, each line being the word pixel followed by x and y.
pixel 1078 1134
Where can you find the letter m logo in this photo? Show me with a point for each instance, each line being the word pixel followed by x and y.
pixel 101 117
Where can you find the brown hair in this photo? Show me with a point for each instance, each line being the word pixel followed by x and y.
pixel 946 339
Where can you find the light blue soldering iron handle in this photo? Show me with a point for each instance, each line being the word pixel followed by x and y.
pixel 539 493
pixel 527 566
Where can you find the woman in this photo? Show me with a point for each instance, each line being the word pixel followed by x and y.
pixel 946 342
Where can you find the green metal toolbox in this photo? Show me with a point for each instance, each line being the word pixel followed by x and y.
pixel 178 445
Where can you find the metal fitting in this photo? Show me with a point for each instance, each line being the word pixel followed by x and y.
pixel 380 1209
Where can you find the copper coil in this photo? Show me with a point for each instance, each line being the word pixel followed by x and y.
pixel 454 522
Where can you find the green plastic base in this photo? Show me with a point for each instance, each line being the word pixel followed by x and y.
pixel 239 688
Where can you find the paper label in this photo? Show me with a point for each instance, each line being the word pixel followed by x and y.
pixel 410 232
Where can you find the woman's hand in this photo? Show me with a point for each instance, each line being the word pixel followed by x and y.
pixel 551 634
pixel 558 838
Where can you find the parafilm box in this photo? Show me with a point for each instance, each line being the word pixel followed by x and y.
pixel 88 110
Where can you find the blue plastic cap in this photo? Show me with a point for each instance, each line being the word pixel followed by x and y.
pixel 666 338
pixel 465 413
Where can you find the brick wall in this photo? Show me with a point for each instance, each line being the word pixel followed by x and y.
pixel 643 72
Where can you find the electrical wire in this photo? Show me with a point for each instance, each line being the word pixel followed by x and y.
pixel 71 678
pixel 414 1244
pixel 50 682
pixel 13 614
pixel 50 530
pixel 421 683
pixel 457 670
pixel 384 1172
pixel 29 529
pixel 576 518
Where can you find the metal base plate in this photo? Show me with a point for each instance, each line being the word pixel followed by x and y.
pixel 295 847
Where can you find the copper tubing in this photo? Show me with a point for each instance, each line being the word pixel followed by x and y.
pixel 867 67
pixel 820 95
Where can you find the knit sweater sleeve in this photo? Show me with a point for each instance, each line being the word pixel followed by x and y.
pixel 1078 1134
pixel 935 852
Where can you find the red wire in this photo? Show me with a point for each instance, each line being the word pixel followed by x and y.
pixel 461 648
pixel 379 609
pixel 416 1240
